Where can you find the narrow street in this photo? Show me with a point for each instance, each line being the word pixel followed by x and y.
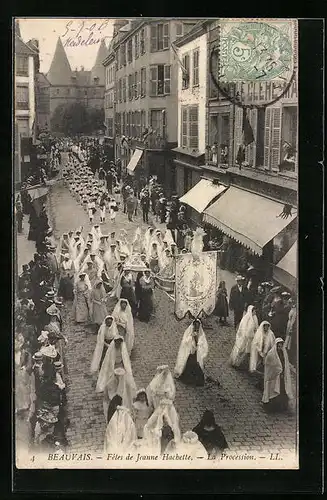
pixel 236 402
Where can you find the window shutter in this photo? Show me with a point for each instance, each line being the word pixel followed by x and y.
pixel 153 39
pixel 268 116
pixel 250 150
pixel 138 90
pixel 166 35
pixel 167 79
pixel 276 137
pixel 184 126
pixel 195 67
pixel 193 127
pixel 238 130
pixel 153 80
pixel 179 29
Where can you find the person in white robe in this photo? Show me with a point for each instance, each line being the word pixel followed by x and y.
pixel 197 242
pixel 122 314
pixel 97 233
pixel 98 307
pixel 244 336
pixel 120 432
pixel 117 276
pixel 63 247
pixel 119 385
pixel 189 445
pixel 162 426
pixel 277 378
pixel 141 411
pixel 137 242
pixel 162 386
pixel 116 357
pixel 262 342
pixel 168 238
pixel 106 334
pixel 191 355
pixel 146 240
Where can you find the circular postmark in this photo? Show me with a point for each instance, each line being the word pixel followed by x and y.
pixel 251 51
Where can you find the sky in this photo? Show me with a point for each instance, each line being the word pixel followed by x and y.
pixel 71 31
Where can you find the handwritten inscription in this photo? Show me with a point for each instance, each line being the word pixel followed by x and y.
pixel 79 33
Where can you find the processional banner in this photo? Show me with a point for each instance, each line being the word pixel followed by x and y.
pixel 195 284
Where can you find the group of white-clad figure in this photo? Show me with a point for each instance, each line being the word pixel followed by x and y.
pixel 255 348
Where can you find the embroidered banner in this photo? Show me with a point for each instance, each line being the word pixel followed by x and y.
pixel 195 284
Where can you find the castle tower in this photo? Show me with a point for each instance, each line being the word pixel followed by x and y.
pixel 60 72
pixel 98 72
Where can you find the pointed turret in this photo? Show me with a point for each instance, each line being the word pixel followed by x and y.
pixel 60 72
pixel 98 68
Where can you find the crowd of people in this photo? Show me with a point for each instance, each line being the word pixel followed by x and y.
pixel 110 282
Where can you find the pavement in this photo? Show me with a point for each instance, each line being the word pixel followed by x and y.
pixel 235 400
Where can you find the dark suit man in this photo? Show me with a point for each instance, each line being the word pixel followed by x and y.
pixel 238 300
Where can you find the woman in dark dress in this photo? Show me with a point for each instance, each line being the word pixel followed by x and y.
pixel 127 289
pixel 146 296
pixel 221 309
pixel 210 434
pixel 192 352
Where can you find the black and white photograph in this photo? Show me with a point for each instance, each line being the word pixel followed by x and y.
pixel 155 243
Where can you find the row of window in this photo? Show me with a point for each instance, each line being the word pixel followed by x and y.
pixel 78 92
pixel 110 74
pixel 160 37
pixel 191 75
pixel 109 99
pixel 134 123
pixel 134 85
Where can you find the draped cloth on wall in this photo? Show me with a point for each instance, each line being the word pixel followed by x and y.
pixel 195 284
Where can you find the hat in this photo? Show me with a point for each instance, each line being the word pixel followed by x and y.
pixel 92 254
pixel 50 294
pixel 46 416
pixel 37 356
pixel 43 337
pixel 286 294
pixel 119 371
pixel 82 274
pixel 58 365
pixel 239 277
pixel 58 301
pixel 52 310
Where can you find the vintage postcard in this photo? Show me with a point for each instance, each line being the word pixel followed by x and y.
pixel 155 230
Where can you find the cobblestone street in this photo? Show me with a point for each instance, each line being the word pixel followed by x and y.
pixel 236 402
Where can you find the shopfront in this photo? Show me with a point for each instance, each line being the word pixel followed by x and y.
pixel 246 225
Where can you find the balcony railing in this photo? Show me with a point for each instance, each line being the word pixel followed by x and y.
pixel 151 142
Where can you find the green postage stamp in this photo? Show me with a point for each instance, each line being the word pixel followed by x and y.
pixel 260 50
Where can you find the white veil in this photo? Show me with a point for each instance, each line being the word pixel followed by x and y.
pixel 120 432
pixel 244 335
pixel 153 427
pixel 261 344
pixel 118 314
pixel 190 445
pixel 162 386
pixel 112 332
pixel 185 349
pixel 108 365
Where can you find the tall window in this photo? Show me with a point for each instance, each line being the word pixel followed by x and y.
pixel 143 121
pixel 124 123
pixel 133 124
pixel 136 89
pixel 120 90
pixel 157 121
pixel 130 50
pixel 110 127
pixel 196 67
pixel 123 54
pixel 143 82
pixel 128 121
pixel 138 124
pixel 118 127
pixel 179 29
pixel 21 66
pixel 142 41
pixel 22 100
pixel 124 89
pixel 160 79
pixel 190 127
pixel 186 74
pixel 136 45
pixel 159 37
pixel 138 84
pixel 130 87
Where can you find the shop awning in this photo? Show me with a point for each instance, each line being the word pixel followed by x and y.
pixel 285 272
pixel 250 219
pixel 134 160
pixel 202 194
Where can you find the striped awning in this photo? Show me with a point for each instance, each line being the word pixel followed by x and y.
pixel 200 195
pixel 285 271
pixel 250 219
